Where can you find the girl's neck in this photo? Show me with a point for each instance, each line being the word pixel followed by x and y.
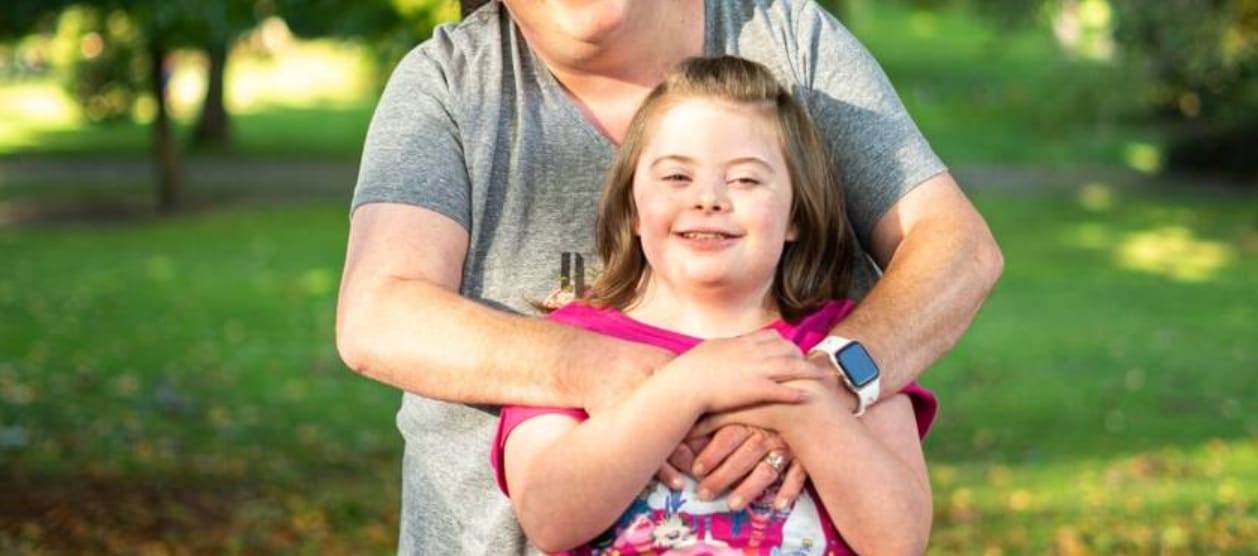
pixel 712 314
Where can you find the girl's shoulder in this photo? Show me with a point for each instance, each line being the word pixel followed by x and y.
pixel 815 326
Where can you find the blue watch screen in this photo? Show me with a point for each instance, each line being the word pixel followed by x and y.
pixel 857 364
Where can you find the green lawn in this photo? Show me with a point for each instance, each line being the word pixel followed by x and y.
pixel 1100 401
pixel 174 384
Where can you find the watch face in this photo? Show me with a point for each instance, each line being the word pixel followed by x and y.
pixel 857 364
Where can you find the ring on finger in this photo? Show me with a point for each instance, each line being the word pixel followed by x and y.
pixel 776 460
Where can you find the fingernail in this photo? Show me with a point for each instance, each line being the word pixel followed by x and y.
pixel 704 494
pixel 678 483
pixel 735 502
pixel 698 469
pixel 779 504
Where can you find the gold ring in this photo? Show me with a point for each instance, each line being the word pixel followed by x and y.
pixel 776 460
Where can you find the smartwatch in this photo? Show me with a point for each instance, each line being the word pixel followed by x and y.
pixel 855 367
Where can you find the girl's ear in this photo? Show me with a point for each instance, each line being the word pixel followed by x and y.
pixel 792 232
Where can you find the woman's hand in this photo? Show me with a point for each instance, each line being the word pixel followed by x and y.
pixel 759 370
pixel 730 448
pixel 735 456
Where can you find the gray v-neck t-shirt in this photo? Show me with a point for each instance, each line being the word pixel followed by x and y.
pixel 473 126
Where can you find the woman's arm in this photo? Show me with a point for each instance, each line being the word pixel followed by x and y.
pixel 869 472
pixel 569 481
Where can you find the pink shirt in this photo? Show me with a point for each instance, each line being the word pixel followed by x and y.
pixel 662 517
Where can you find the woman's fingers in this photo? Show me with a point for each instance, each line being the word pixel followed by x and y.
pixel 723 443
pixel 737 465
pixel 761 477
pixel 669 475
pixel 792 485
pixel 682 458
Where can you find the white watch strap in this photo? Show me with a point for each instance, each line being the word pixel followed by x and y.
pixel 866 396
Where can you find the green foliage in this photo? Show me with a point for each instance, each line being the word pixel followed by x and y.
pixel 992 94
pixel 1194 62
pixel 19 17
pixel 393 27
pixel 1202 55
pixel 101 59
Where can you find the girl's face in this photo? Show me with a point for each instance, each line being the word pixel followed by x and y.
pixel 713 198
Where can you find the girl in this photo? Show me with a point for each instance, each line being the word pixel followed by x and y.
pixel 723 238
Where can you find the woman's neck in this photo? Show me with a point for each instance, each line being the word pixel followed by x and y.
pixel 635 42
pixel 705 314
pixel 609 67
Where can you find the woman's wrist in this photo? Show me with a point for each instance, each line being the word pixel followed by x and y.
pixel 609 369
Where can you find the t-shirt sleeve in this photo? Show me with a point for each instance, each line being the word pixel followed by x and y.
pixel 925 407
pixel 880 153
pixel 510 418
pixel 413 153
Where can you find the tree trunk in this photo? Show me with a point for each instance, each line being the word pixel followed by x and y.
pixel 165 161
pixel 214 127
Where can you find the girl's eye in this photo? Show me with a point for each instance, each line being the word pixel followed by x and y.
pixel 677 177
pixel 746 180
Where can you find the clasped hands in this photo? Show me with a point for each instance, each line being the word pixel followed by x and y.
pixel 748 388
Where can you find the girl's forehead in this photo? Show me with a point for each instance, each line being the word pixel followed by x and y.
pixel 688 121
pixel 761 110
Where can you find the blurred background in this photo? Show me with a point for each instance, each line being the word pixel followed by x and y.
pixel 174 185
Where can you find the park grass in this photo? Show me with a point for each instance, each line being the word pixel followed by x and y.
pixel 176 382
pixel 172 385
pixel 1080 414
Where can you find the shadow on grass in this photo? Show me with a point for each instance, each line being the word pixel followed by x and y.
pixel 85 514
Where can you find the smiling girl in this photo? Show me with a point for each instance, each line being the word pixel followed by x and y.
pixel 723 238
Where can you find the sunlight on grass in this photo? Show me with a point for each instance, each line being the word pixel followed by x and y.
pixel 1089 236
pixel 1097 197
pixel 300 74
pixel 1172 500
pixel 315 73
pixel 923 24
pixel 28 109
pixel 1174 252
pixel 1143 157
pixel 320 74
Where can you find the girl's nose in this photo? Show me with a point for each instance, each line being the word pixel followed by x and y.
pixel 710 196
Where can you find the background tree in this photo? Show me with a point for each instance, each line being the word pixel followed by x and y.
pixel 392 27
pixel 1198 61
pixel 122 48
pixel 216 28
pixel 1201 57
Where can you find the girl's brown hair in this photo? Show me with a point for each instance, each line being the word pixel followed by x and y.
pixel 814 268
